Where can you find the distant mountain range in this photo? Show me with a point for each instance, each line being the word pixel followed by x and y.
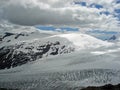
pixel 33 59
pixel 19 45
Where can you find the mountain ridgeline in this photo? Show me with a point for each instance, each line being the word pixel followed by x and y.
pixel 17 54
pixel 20 45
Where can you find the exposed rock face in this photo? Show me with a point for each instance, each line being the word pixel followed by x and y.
pixel 16 55
pixel 7 89
pixel 106 87
pixel 113 38
pixel 18 48
pixel 0 38
pixel 21 34
pixel 7 34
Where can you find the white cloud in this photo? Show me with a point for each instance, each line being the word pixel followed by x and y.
pixel 60 13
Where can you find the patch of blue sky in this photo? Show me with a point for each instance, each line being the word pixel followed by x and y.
pixel 117 16
pixel 117 1
pixel 69 29
pixel 117 11
pixel 105 32
pixel 48 28
pixel 105 12
pixel 52 28
pixel 93 5
pixel 80 3
pixel 103 35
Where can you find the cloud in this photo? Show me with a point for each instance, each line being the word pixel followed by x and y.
pixel 60 13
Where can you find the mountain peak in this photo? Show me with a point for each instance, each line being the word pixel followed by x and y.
pixel 113 37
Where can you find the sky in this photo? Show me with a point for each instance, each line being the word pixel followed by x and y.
pixel 52 28
pixel 82 14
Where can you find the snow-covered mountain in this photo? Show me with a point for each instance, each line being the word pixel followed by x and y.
pixel 20 45
pixel 46 60
pixel 114 38
pixel 66 72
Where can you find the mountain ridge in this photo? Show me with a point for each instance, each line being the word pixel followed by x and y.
pixel 36 44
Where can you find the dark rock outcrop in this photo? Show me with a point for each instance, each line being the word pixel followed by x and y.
pixel 106 87
pixel 19 54
pixel 7 34
pixel 7 89
pixel 1 38
pixel 113 37
pixel 21 34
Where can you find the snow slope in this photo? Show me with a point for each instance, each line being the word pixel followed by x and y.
pixel 40 60
pixel 22 44
pixel 20 34
pixel 65 72
pixel 84 41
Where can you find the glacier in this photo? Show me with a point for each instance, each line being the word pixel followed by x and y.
pixel 86 61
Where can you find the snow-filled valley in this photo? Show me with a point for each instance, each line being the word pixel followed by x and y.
pixel 65 72
pixel 32 59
